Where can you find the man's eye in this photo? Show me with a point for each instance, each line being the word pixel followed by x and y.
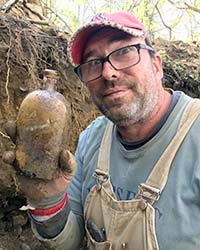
pixel 123 51
pixel 94 63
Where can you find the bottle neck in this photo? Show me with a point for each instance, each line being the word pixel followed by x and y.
pixel 49 84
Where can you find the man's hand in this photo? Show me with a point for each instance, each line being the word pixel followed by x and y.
pixel 39 192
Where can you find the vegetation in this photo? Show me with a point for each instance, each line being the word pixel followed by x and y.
pixel 165 18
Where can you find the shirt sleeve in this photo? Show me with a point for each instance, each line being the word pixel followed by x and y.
pixel 69 238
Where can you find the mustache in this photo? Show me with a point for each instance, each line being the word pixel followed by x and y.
pixel 111 84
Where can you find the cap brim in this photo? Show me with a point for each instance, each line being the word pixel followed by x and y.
pixel 79 39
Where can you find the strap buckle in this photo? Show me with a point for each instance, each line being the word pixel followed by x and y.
pixel 100 176
pixel 148 193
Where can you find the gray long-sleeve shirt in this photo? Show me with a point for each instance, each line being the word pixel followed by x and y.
pixel 177 211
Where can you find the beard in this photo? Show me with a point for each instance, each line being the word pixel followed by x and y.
pixel 129 111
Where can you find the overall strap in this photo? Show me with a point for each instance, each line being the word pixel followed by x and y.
pixel 157 179
pixel 103 163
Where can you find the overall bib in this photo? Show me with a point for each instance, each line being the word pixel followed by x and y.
pixel 130 224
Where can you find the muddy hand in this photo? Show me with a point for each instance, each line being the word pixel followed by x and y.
pixel 36 189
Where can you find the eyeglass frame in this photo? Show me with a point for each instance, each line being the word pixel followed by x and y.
pixel 138 46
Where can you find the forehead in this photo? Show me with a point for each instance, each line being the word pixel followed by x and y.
pixel 105 38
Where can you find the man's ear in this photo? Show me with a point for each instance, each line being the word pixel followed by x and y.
pixel 157 64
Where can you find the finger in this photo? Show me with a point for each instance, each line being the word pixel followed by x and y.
pixel 9 157
pixel 67 161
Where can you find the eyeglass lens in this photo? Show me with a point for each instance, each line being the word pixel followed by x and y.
pixel 119 59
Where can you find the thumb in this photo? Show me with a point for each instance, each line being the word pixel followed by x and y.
pixel 67 162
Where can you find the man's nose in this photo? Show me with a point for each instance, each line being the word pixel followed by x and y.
pixel 108 72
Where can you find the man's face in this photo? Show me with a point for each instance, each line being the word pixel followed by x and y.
pixel 127 96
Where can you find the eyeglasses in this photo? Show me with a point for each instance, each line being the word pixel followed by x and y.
pixel 122 58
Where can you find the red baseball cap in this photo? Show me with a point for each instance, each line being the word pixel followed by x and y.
pixel 122 20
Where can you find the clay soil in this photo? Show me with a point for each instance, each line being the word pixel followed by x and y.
pixel 25 51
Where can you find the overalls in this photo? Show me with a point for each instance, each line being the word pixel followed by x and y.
pixel 130 224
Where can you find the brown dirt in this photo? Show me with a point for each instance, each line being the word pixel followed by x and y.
pixel 25 51
pixel 181 63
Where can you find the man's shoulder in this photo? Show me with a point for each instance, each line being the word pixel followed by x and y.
pixel 93 134
pixel 96 126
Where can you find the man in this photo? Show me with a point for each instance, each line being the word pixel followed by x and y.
pixel 138 169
